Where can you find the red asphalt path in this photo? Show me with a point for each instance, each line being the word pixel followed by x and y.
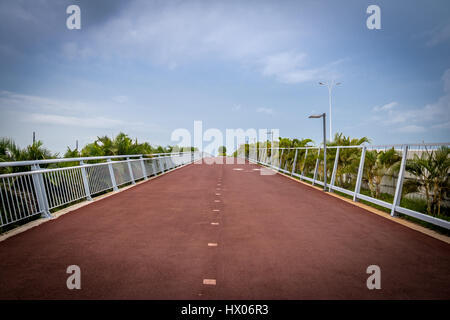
pixel 276 239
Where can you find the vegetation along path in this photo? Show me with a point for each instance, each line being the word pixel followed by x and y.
pixel 223 232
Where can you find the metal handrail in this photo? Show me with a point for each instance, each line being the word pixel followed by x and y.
pixel 260 156
pixel 431 144
pixel 36 192
pixel 61 160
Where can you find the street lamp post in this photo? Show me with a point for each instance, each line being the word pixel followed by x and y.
pixel 323 115
pixel 330 86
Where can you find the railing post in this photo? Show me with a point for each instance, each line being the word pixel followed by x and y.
pixel 295 162
pixel 111 174
pixel 316 167
pixel 85 181
pixel 131 171
pixel 272 153
pixel 144 171
pixel 360 174
pixel 166 163
pixel 303 170
pixel 155 171
pixel 281 159
pixel 401 175
pixel 161 165
pixel 333 175
pixel 41 195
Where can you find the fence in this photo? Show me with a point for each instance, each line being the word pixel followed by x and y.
pixel 376 174
pixel 24 195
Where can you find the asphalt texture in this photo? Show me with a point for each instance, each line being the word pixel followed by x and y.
pixel 276 239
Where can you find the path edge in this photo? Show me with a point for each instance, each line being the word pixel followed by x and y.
pixel 59 213
pixel 405 223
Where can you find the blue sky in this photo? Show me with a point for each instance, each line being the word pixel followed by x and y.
pixel 149 67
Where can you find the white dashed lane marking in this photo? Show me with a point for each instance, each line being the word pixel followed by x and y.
pixel 211 282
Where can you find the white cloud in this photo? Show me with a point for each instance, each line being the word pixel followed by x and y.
pixel 434 115
pixel 264 37
pixel 170 33
pixel 120 99
pixel 439 36
pixel 291 67
pixel 43 110
pixel 265 110
pixel 411 129
pixel 445 125
pixel 446 80
pixel 88 122
pixel 16 101
pixel 236 107
pixel 385 107
pixel 282 62
pixel 72 50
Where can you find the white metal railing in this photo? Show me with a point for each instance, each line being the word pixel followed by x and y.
pixel 27 194
pixel 304 163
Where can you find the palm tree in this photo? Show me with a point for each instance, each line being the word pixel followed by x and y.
pixel 10 151
pixel 431 170
pixel 349 158
pixel 122 144
pixel 72 153
pixel 377 165
pixel 36 151
pixel 301 161
pixel 223 151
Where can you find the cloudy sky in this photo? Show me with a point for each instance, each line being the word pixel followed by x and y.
pixel 150 67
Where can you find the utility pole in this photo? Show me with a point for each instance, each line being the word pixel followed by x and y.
pixel 330 86
pixel 34 137
pixel 323 115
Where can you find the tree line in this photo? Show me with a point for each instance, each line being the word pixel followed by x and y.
pixel 121 144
